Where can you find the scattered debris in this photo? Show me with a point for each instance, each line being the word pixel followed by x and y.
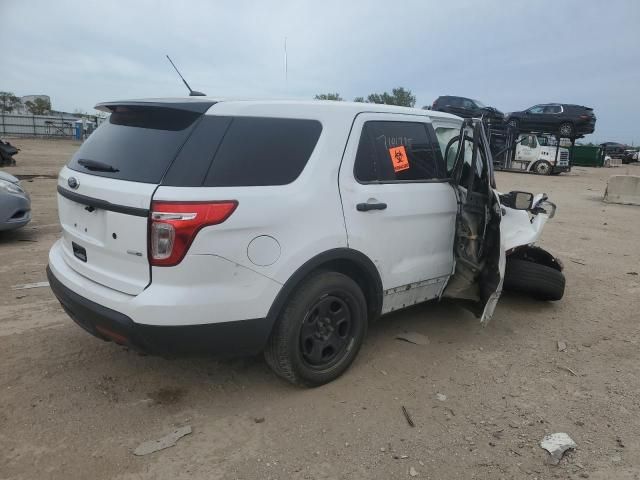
pixel 619 442
pixel 576 261
pixel 413 472
pixel 556 444
pixel 383 372
pixel 568 370
pixel 259 419
pixel 632 273
pixel 408 417
pixel 165 442
pixel 413 337
pixel 441 396
pixel 400 457
pixel 27 286
pixel 562 346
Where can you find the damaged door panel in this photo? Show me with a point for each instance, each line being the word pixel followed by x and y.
pixel 479 256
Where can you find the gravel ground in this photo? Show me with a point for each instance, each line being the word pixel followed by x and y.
pixel 481 399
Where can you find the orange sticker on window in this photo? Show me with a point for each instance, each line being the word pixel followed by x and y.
pixel 399 158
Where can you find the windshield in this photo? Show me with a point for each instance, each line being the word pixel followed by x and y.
pixel 480 104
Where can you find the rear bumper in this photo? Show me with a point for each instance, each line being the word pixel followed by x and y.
pixel 243 337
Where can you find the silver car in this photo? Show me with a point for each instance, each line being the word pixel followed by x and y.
pixel 15 203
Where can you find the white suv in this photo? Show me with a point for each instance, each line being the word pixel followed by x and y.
pixel 284 226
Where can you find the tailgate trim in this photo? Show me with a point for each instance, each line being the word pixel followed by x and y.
pixel 103 204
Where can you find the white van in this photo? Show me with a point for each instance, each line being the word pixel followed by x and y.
pixel 538 154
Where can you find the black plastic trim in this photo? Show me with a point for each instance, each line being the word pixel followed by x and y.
pixel 103 204
pixel 374 296
pixel 236 338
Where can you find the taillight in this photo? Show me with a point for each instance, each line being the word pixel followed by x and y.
pixel 174 225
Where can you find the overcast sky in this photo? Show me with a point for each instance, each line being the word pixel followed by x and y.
pixel 508 54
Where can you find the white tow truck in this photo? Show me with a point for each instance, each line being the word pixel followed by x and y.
pixel 537 153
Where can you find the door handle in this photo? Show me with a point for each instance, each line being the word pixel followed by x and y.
pixel 365 207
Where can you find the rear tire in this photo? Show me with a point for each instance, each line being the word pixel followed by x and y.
pixel 566 130
pixel 539 281
pixel 319 331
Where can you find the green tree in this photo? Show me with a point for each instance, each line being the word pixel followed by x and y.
pixel 328 96
pixel 398 96
pixel 8 101
pixel 359 99
pixel 39 106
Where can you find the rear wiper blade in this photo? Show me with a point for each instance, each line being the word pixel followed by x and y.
pixel 94 165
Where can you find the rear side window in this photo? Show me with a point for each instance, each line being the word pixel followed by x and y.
pixel 398 151
pixel 138 143
pixel 259 151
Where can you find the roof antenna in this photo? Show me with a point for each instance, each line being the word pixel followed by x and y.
pixel 192 93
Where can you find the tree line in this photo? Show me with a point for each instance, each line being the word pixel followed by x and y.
pixel 398 96
pixel 9 102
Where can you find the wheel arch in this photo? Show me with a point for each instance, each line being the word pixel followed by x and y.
pixel 347 261
pixel 536 254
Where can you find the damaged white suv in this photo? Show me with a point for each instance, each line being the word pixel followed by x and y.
pixel 285 227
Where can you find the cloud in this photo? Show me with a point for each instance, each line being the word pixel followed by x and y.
pixel 508 54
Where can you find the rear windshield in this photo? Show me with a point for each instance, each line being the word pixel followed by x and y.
pixel 137 143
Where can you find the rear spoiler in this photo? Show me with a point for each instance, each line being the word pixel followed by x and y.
pixel 197 105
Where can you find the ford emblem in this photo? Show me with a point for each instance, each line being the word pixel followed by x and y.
pixel 73 182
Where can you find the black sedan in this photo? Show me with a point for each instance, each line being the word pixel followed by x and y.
pixel 466 108
pixel 567 120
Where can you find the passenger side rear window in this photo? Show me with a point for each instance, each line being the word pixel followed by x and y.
pixel 259 151
pixel 398 151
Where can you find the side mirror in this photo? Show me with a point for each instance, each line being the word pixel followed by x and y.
pixel 520 200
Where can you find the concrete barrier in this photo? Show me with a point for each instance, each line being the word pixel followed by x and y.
pixel 623 189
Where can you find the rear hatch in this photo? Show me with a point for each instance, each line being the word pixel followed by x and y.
pixel 105 192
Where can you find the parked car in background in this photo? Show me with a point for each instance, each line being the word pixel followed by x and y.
pixel 565 119
pixel 466 108
pixel 630 156
pixel 15 203
pixel 538 154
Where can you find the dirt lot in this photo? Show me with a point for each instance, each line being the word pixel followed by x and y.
pixel 72 406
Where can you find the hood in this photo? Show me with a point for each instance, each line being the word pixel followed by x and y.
pixel 8 178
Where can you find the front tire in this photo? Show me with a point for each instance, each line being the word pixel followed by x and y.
pixel 539 281
pixel 543 168
pixel 320 330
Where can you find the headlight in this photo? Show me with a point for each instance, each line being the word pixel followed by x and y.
pixel 10 187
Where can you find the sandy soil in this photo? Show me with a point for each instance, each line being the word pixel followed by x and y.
pixel 72 406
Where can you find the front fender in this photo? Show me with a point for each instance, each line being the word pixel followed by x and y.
pixel 518 228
